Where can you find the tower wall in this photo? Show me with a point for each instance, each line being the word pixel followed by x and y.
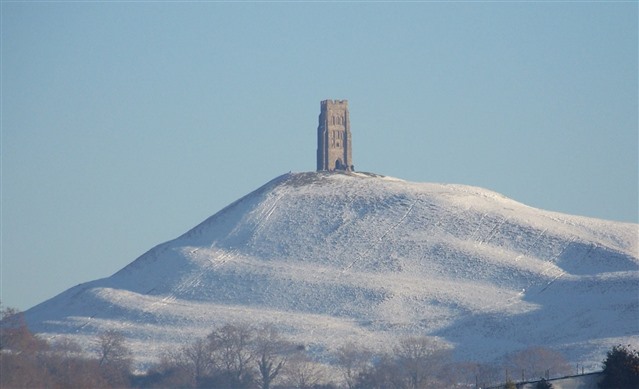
pixel 334 145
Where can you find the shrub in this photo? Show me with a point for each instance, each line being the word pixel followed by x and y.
pixel 621 369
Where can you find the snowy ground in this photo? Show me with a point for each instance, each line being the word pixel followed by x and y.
pixel 333 258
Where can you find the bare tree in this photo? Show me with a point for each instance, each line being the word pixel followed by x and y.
pixel 382 375
pixel 270 352
pixel 488 374
pixel 302 372
pixel 198 357
pixel 114 358
pixel 352 362
pixel 64 353
pixel 414 354
pixel 231 345
pixel 172 371
pixel 15 335
pixel 20 352
pixel 111 348
pixel 66 347
pixel 70 368
pixel 537 362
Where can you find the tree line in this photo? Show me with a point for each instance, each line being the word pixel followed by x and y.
pixel 242 356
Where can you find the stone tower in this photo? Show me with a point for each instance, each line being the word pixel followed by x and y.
pixel 334 150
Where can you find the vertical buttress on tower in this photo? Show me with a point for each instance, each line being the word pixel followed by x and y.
pixel 334 146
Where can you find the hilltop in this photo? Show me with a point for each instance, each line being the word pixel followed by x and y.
pixel 334 257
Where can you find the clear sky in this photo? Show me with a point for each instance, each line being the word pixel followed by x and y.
pixel 125 124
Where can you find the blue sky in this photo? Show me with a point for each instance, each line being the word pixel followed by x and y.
pixel 125 124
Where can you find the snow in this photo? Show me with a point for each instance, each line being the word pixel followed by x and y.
pixel 336 258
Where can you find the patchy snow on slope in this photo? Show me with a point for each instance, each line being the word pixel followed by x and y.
pixel 336 258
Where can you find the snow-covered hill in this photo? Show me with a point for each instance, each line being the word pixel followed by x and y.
pixel 335 258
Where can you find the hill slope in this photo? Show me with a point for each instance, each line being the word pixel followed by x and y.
pixel 356 257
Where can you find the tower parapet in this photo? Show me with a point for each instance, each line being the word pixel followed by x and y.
pixel 334 145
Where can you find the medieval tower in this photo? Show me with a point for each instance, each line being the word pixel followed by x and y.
pixel 334 151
